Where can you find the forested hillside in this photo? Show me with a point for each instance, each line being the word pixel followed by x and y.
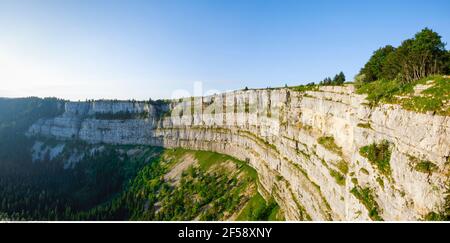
pixel 45 179
pixel 16 116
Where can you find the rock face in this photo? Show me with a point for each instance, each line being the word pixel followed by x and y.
pixel 280 132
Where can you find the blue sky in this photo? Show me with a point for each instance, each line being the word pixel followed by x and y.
pixel 141 49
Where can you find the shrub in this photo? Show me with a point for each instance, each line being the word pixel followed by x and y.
pixel 379 155
pixel 365 196
pixel 425 167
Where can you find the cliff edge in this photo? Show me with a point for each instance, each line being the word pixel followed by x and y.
pixel 323 154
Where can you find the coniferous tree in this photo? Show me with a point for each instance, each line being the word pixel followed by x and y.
pixel 339 79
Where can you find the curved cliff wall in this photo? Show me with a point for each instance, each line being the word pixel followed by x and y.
pixel 305 146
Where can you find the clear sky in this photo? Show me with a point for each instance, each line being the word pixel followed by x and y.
pixel 78 49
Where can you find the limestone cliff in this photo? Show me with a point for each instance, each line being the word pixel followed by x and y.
pixel 305 146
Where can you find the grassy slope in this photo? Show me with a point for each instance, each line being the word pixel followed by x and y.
pixel 259 209
pixel 254 208
pixel 215 187
pixel 433 99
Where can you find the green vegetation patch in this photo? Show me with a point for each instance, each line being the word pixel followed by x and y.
pixel 365 125
pixel 209 195
pixel 201 194
pixel 379 155
pixel 127 182
pixel 380 91
pixel 365 196
pixel 342 166
pixel 435 216
pixel 433 99
pixel 329 143
pixel 425 167
pixel 416 58
pixel 380 182
pixel 206 159
pixel 303 88
pixel 257 209
pixel 340 179
pixel 276 214
pixel 364 171
pixel 444 213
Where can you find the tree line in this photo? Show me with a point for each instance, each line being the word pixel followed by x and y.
pixel 416 58
pixel 338 79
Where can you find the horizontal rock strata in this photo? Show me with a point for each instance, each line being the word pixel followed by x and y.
pixel 279 132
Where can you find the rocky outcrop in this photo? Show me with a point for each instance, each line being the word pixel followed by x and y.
pixel 280 133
